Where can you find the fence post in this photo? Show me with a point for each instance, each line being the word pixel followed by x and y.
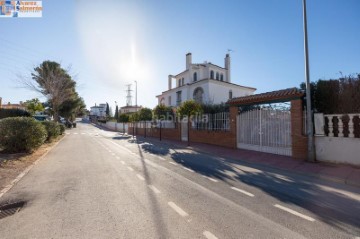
pixel 160 130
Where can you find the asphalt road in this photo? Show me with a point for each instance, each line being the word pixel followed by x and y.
pixel 100 184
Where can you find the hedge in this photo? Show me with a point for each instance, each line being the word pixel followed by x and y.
pixel 52 128
pixel 5 113
pixel 21 134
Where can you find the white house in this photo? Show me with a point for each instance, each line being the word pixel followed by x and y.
pixel 205 83
pixel 98 111
pixel 130 109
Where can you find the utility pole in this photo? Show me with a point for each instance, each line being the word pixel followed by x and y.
pixel 136 96
pixel 309 119
pixel 128 95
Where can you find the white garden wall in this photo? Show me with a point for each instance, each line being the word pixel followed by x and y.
pixel 338 150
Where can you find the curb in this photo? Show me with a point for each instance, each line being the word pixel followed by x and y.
pixel 26 170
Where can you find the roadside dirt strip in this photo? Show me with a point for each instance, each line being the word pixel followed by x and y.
pixel 9 171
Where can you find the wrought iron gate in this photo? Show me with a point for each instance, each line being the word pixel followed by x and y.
pixel 266 130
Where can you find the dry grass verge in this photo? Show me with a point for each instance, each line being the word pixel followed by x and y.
pixel 11 165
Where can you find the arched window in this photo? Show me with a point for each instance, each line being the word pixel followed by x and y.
pixel 211 74
pixel 217 75
pixel 195 76
pixel 230 94
pixel 198 95
pixel 222 77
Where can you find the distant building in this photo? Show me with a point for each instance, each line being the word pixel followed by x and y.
pixel 206 83
pixel 20 106
pixel 129 109
pixel 98 112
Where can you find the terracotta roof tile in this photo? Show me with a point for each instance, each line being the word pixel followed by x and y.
pixel 272 96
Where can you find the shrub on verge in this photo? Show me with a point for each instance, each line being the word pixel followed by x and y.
pixel 62 128
pixel 21 134
pixel 52 128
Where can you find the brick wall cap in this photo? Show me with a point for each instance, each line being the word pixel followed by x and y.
pixel 279 95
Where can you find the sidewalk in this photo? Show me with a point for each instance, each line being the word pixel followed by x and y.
pixel 340 173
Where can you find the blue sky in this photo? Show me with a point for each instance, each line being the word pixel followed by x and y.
pixel 111 45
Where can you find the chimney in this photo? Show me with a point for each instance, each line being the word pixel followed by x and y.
pixel 227 67
pixel 170 82
pixel 188 61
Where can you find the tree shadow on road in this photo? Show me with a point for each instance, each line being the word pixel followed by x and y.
pixel 333 208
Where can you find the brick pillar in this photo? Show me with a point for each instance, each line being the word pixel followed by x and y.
pixel 233 128
pixel 299 140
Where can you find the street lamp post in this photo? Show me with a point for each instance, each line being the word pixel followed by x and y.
pixel 136 109
pixel 116 113
pixel 310 130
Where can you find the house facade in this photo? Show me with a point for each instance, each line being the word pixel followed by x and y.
pixel 98 112
pixel 20 106
pixel 129 109
pixel 206 83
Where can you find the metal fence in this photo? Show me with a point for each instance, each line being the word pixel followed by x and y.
pixel 212 122
pixel 166 124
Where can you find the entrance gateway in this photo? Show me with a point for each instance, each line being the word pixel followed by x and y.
pixel 266 130
pixel 264 122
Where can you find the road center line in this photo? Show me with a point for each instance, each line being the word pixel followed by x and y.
pixel 178 209
pixel 131 169
pixel 242 191
pixel 140 177
pixel 190 170
pixel 154 189
pixel 211 179
pixel 209 235
pixel 295 213
pixel 123 162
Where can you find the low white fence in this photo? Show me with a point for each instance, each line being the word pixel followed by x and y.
pixel 337 138
pixel 120 127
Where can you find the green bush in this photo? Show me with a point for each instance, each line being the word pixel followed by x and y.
pixel 5 113
pixel 62 128
pixel 21 134
pixel 52 129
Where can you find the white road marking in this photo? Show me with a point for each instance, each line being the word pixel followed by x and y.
pixel 190 170
pixel 211 179
pixel 161 158
pixel 173 163
pixel 75 133
pixel 242 191
pixel 295 212
pixel 67 133
pixel 209 235
pixel 178 209
pixel 140 177
pixel 154 189
pixel 130 168
pixel 82 133
pixel 113 154
pixel 123 162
